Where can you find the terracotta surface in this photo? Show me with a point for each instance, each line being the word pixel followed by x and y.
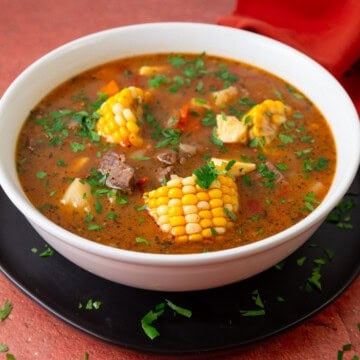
pixel 29 29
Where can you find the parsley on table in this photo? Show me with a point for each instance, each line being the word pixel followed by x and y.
pixel 3 348
pixel 91 305
pixel 340 216
pixel 148 320
pixel 5 310
pixel 259 311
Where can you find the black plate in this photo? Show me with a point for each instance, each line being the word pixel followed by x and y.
pixel 217 322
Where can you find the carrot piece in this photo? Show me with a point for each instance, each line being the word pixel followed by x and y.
pixel 184 111
pixel 110 88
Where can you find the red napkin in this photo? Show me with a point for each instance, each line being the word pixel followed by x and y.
pixel 326 30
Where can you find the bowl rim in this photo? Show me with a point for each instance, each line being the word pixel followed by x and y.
pixel 131 256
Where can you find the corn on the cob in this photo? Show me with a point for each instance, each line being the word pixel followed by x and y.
pixel 119 115
pixel 191 213
pixel 265 119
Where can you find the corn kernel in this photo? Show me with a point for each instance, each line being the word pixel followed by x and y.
pixel 163 219
pixel 175 193
pixel 203 205
pixel 182 238
pixel 207 233
pixel 175 202
pixel 206 223
pixel 190 209
pixel 189 199
pixel 215 194
pixel 218 212
pixel 219 221
pixel 192 218
pixel 177 220
pixel 214 203
pixel 178 230
pixel 175 211
pixel 195 237
pixel 188 181
pixel 205 214
pixel 165 227
pixel 192 228
pixel 162 210
pixel 220 230
pixel 227 199
pixel 175 182
pixel 162 200
pixel 132 127
pixel 189 189
pixel 202 196
pixel 161 191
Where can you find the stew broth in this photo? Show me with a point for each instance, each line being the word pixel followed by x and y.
pixel 60 142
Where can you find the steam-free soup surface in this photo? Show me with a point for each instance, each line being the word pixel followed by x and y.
pixel 215 154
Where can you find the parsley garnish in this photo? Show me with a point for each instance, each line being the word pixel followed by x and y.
pixel 140 240
pixel 340 216
pixel 91 305
pixel 153 315
pixel 258 302
pixel 5 310
pixel 206 175
pixel 4 348
pixel 170 137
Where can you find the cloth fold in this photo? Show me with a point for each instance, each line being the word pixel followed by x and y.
pixel 326 30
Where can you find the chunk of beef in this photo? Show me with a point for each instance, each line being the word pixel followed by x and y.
pixel 168 157
pixel 279 176
pixel 110 160
pixel 119 174
pixel 186 151
pixel 164 173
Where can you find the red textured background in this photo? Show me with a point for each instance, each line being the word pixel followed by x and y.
pixel 29 29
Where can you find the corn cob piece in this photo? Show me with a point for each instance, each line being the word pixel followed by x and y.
pixel 119 114
pixel 266 119
pixel 188 212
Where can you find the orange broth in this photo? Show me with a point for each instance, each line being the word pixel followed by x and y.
pixel 303 152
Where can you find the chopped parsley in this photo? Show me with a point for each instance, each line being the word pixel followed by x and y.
pixel 259 311
pixel 206 175
pixel 340 216
pixel 141 240
pixel 4 348
pixel 148 320
pixel 310 201
pixel 91 305
pixel 5 310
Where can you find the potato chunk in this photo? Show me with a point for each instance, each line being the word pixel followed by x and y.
pixel 78 195
pixel 224 96
pixel 231 130
pixel 237 169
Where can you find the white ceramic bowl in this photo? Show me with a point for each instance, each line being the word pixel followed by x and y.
pixel 193 271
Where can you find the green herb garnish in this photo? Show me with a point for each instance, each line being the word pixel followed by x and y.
pixel 5 310
pixel 153 315
pixel 206 175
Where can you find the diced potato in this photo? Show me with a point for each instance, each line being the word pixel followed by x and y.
pixel 237 169
pixel 151 70
pixel 223 97
pixel 78 195
pixel 231 130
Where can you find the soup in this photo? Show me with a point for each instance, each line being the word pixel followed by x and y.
pixel 175 153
